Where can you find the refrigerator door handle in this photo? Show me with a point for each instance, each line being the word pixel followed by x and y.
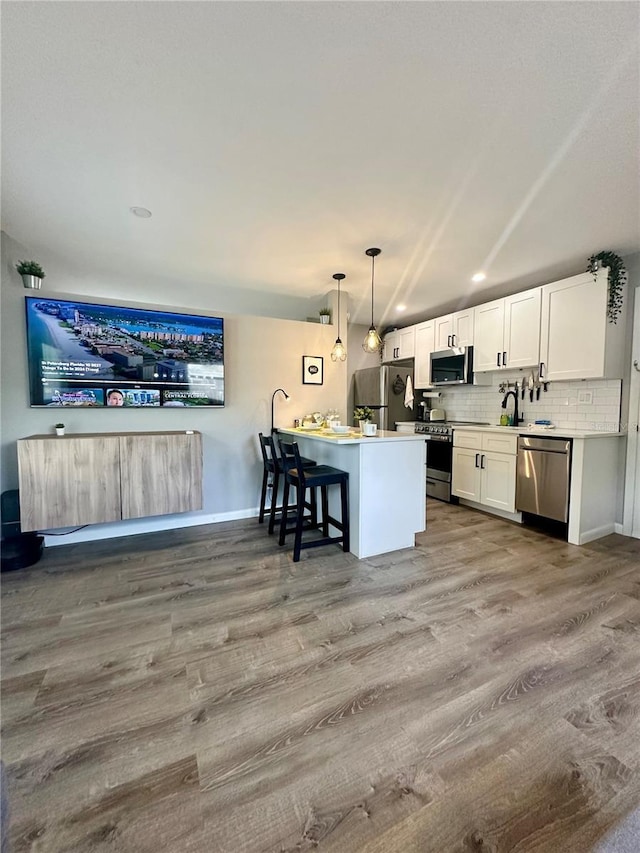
pixel 384 384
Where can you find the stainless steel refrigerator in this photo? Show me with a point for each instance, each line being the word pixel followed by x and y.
pixel 383 390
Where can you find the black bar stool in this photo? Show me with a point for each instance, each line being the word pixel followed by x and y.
pixel 273 467
pixel 320 476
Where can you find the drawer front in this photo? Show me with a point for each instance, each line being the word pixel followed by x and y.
pixel 500 443
pixel 470 440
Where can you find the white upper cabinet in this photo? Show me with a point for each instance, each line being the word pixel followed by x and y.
pixel 576 340
pixel 424 346
pixel 488 336
pixel 507 332
pixel 399 344
pixel 454 330
pixel 522 328
pixel 389 346
pixel 407 342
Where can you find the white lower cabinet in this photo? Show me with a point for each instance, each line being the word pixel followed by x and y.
pixel 484 468
pixel 465 477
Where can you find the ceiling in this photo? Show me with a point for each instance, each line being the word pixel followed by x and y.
pixel 275 141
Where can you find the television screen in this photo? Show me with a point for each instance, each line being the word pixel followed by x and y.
pixel 81 354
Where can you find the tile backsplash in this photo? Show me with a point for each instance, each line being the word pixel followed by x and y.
pixel 592 404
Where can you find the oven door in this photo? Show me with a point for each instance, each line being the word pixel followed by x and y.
pixel 439 456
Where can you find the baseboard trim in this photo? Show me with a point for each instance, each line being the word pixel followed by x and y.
pixel 95 532
pixel 596 533
pixel 490 510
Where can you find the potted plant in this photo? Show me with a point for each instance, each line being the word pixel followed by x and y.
pixel 32 274
pixel 616 279
pixel 325 315
pixel 59 429
pixel 363 415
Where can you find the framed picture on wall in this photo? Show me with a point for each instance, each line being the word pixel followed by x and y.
pixel 312 369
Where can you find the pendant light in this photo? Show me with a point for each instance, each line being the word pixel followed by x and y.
pixel 372 342
pixel 338 353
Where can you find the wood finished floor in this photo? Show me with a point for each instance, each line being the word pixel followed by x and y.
pixel 198 691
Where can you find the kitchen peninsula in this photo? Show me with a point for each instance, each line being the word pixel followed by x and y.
pixel 387 501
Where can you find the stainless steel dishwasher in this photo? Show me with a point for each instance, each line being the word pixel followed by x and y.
pixel 543 477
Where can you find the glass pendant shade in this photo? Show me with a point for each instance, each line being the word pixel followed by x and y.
pixel 339 352
pixel 372 342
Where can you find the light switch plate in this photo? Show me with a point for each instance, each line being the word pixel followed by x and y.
pixel 585 397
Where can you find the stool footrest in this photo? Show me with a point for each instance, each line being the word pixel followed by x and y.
pixel 326 540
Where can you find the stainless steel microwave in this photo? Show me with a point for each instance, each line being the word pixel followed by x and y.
pixel 452 366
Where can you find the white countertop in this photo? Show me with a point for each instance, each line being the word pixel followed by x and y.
pixel 556 432
pixel 353 437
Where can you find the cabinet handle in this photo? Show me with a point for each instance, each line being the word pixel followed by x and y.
pixel 482 461
pixel 453 340
pixel 504 359
pixel 498 360
pixel 542 371
pixel 477 460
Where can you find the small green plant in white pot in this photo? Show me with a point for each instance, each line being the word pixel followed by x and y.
pixel 325 315
pixel 32 274
pixel 59 429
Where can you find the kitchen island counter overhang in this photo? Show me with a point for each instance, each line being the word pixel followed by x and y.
pixel 387 482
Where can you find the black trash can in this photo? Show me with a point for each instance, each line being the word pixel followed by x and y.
pixel 18 549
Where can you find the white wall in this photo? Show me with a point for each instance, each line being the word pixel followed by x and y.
pixel 631 404
pixel 261 354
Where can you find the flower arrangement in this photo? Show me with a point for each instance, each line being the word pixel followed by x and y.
pixel 362 413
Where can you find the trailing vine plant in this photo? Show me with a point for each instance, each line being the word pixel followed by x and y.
pixel 617 277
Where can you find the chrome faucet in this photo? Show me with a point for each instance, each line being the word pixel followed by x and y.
pixel 517 420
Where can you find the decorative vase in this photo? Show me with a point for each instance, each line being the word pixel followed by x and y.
pixel 361 424
pixel 59 430
pixel 324 319
pixel 32 281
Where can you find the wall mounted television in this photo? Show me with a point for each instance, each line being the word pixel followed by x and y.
pixel 96 356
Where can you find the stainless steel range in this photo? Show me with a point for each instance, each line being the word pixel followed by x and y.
pixel 439 436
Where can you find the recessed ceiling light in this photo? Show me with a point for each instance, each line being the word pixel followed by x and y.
pixel 479 276
pixel 401 307
pixel 142 212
